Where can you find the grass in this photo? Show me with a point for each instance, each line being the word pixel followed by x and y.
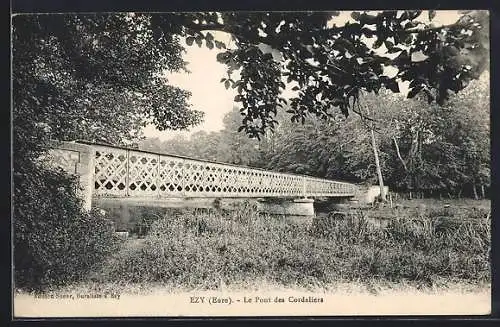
pixel 210 249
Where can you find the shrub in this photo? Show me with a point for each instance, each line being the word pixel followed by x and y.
pixel 202 248
pixel 55 241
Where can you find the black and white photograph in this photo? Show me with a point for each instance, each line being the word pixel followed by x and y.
pixel 251 163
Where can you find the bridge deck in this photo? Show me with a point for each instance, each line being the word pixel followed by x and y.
pixel 122 172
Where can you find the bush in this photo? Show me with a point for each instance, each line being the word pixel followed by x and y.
pixel 203 248
pixel 55 241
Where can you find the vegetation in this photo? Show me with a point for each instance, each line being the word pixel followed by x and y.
pixel 72 73
pixel 334 65
pixel 207 249
pixel 92 77
pixel 423 149
pixel 56 242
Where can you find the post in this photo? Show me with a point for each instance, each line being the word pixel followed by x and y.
pixel 127 174
pixel 157 179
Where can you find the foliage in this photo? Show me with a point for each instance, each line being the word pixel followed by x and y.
pixel 55 241
pixel 441 148
pixel 136 220
pixel 226 145
pixel 95 77
pixel 71 73
pixel 332 65
pixel 206 249
pixel 422 147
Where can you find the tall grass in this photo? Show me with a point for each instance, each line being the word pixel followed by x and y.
pixel 209 248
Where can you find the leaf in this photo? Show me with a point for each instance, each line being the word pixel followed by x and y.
pixel 189 40
pixel 238 98
pixel 209 36
pixel 222 57
pixel 227 84
pixel 236 84
pixel 355 15
pixel 432 14
pixel 394 50
pixel 414 91
pixel 199 41
pixel 295 88
pixel 210 44
pixel 377 44
pixel 392 85
pixel 219 45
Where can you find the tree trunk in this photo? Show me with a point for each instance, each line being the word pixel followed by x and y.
pixel 383 196
pixel 483 194
pixel 399 153
pixel 474 190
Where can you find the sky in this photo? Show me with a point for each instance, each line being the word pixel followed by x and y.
pixel 211 97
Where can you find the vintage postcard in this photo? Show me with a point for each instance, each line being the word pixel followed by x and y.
pixel 215 164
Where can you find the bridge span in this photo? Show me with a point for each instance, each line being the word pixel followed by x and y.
pixel 117 174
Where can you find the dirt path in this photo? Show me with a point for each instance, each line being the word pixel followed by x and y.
pixel 342 301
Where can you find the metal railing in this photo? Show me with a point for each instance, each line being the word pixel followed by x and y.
pixel 123 172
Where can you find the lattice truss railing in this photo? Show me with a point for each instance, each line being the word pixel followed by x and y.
pixel 122 172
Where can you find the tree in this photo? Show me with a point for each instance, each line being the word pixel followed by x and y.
pixel 435 148
pixel 463 126
pixel 96 77
pixel 337 148
pixel 423 148
pixel 226 145
pixel 333 65
pixel 235 147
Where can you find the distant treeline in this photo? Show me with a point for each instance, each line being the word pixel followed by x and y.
pixel 424 149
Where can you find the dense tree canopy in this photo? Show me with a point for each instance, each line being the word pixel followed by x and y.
pixel 226 145
pixel 68 69
pixel 423 148
pixel 95 77
pixel 333 65
pixel 102 77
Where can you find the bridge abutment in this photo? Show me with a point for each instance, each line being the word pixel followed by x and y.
pixel 76 159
